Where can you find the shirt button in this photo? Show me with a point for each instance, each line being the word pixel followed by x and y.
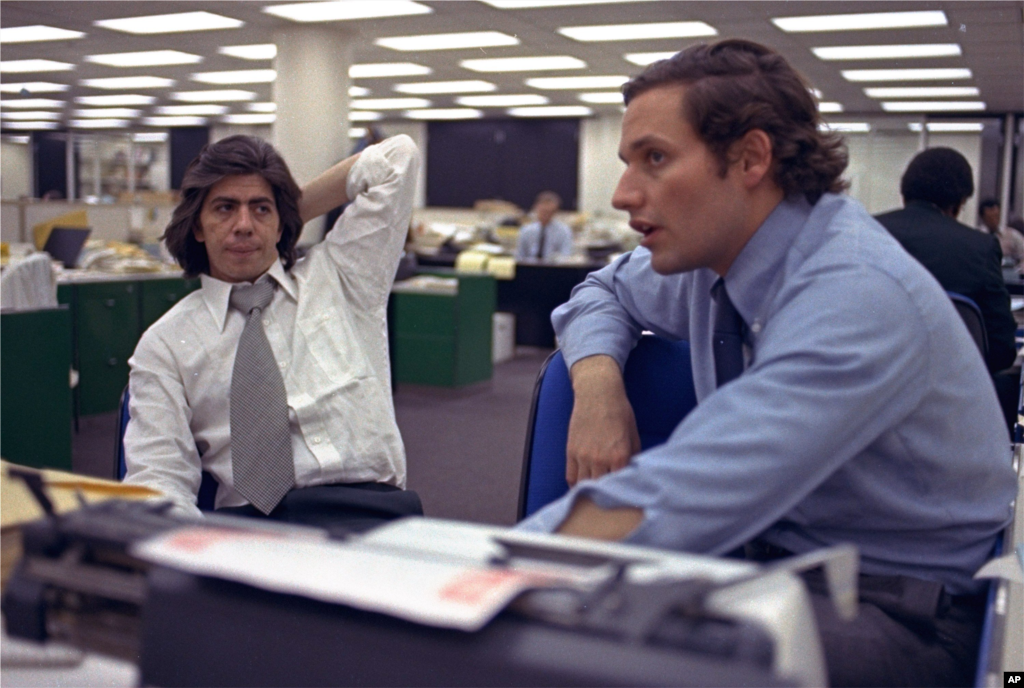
pixel 266 323
pixel 756 327
pixel 283 364
pixel 316 440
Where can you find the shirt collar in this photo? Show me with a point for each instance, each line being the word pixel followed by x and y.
pixel 217 293
pixel 760 264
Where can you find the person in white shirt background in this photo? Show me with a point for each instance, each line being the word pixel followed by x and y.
pixel 546 237
pixel 1010 241
pixel 238 222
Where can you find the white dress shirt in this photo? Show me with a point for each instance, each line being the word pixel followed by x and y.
pixel 327 327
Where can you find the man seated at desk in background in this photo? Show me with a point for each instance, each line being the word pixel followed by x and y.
pixel 547 237
pixel 299 424
pixel 829 411
pixel 935 186
pixel 1010 241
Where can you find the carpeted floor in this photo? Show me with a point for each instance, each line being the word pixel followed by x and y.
pixel 464 446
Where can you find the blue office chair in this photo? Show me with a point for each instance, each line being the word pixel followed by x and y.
pixel 971 315
pixel 659 384
pixel 208 486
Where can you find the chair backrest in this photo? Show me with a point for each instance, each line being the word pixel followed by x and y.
pixel 207 488
pixel 659 384
pixel 971 315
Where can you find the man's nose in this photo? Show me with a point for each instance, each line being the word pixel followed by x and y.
pixel 627 194
pixel 243 220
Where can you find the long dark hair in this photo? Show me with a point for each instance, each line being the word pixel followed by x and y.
pixel 734 86
pixel 234 155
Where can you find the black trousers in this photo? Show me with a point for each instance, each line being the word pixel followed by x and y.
pixel 339 509
pixel 908 631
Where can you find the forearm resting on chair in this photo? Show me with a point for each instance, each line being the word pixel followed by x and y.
pixel 591 521
pixel 602 429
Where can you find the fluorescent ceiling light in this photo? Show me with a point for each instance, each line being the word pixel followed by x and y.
pixel 390 104
pixel 147 58
pixel 170 23
pixel 523 64
pixel 526 4
pixel 905 74
pixel 637 32
pixel 30 114
pixel 933 106
pixel 887 52
pixel 830 106
pixel 448 41
pixel 848 127
pixel 25 66
pixel 29 87
pixel 816 93
pixel 98 123
pixel 174 121
pixel 223 96
pixel 261 107
pixel 922 92
pixel 206 110
pixel 31 125
pixel 357 91
pixel 449 113
pixel 344 10
pixel 261 51
pixel 357 132
pixel 948 126
pixel 385 69
pixel 856 22
pixel 364 116
pixel 644 59
pixel 612 97
pixel 446 87
pixel 503 101
pixel 28 34
pixel 238 76
pixel 552 111
pixel 570 82
pixel 250 118
pixel 150 137
pixel 129 82
pixel 23 140
pixel 128 99
pixel 108 113
pixel 31 103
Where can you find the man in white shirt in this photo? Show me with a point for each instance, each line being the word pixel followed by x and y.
pixel 547 237
pixel 237 224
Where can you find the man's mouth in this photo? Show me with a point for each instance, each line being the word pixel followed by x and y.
pixel 644 228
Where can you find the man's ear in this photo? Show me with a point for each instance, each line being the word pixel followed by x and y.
pixel 197 232
pixel 753 155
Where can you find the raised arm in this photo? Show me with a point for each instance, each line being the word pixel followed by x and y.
pixel 326 191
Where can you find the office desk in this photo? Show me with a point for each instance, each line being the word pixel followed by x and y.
pixel 1014 282
pixel 538 288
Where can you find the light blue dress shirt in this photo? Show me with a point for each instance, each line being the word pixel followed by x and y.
pixel 865 414
pixel 557 240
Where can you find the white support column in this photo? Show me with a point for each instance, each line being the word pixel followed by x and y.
pixel 311 92
pixel 1007 171
pixel 69 166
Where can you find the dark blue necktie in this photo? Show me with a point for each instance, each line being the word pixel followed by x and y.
pixel 727 336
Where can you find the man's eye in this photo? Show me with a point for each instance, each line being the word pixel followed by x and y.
pixel 655 157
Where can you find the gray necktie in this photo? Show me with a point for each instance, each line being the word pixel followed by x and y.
pixel 261 445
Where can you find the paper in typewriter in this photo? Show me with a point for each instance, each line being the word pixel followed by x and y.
pixel 453 593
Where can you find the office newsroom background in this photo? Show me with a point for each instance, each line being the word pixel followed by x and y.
pixel 881 141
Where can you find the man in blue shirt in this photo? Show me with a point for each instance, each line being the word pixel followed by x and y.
pixel 547 237
pixel 828 409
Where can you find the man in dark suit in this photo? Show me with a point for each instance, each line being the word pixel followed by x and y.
pixel 934 187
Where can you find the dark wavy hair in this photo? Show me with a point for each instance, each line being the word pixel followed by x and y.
pixel 734 86
pixel 941 176
pixel 234 155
